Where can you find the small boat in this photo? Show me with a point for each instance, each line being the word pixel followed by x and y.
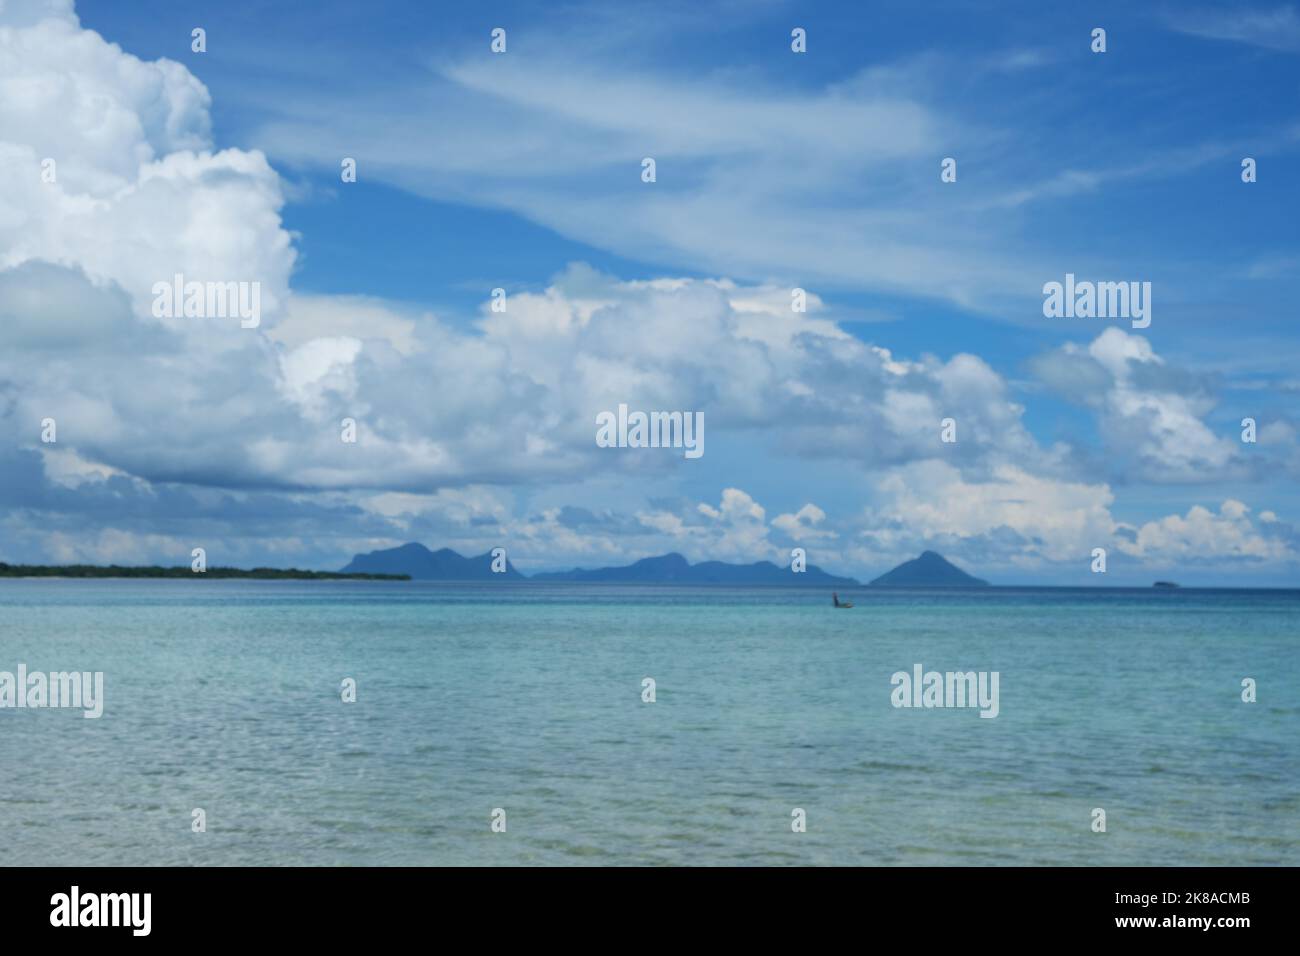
pixel 838 603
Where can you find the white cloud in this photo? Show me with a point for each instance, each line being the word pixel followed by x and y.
pixel 1276 28
pixel 65 467
pixel 373 320
pixel 132 149
pixel 1024 520
pixel 113 546
pixel 802 525
pixel 318 367
pixel 1151 416
pixel 514 399
pixel 1204 535
pixel 1054 520
pixel 801 186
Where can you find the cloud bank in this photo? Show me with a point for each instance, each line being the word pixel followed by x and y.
pixel 172 430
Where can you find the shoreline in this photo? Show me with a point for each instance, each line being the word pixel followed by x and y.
pixel 119 572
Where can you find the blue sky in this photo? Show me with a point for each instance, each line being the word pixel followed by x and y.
pixel 774 170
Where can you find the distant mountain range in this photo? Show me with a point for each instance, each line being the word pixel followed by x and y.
pixel 424 565
pixel 421 564
pixel 674 569
pixel 930 570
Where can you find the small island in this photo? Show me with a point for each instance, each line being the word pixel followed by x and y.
pixel 930 570
pixel 1165 584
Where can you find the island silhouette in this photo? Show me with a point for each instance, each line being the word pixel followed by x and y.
pixel 413 561
pixel 929 570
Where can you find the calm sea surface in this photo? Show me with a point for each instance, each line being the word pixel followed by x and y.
pixel 225 695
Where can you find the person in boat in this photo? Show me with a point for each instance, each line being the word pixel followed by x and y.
pixel 838 603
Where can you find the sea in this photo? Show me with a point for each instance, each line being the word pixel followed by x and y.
pixel 565 724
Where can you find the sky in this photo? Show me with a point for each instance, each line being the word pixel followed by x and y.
pixel 775 170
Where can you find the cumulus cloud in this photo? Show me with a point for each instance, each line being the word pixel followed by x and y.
pixel 1019 520
pixel 1202 536
pixel 206 427
pixel 804 525
pixel 135 193
pixel 1151 416
pixel 1051 520
pixel 514 399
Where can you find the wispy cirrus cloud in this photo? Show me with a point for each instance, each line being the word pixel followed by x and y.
pixel 837 184
pixel 1273 28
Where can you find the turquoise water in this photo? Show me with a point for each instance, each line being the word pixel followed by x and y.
pixel 225 695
